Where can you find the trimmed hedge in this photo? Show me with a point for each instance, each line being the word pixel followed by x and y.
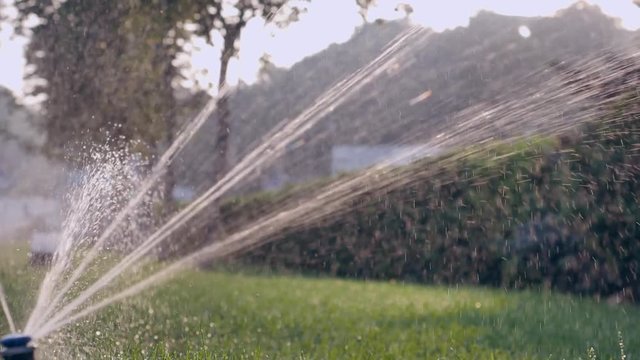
pixel 560 214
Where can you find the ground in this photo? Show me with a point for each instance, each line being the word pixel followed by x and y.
pixel 218 314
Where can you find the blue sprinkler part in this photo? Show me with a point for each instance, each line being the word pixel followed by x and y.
pixel 16 347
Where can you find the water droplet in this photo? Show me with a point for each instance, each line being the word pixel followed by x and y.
pixel 524 31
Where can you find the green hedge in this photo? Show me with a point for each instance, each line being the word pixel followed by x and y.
pixel 560 214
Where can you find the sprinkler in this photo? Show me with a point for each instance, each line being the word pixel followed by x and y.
pixel 16 347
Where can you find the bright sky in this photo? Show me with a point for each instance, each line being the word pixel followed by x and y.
pixel 326 22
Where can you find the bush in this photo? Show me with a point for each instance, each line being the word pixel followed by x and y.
pixel 557 214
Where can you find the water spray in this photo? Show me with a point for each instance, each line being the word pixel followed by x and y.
pixel 524 109
pixel 273 145
pixel 17 347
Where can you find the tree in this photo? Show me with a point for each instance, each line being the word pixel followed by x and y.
pixel 228 18
pixel 106 71
pixel 106 67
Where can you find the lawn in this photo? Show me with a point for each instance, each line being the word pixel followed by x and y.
pixel 235 315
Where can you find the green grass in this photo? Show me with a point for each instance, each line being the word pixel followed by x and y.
pixel 204 315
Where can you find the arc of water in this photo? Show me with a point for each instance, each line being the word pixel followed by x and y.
pixel 260 156
pixel 6 310
pixel 327 202
pixel 45 305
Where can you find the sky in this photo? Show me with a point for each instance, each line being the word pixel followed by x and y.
pixel 325 22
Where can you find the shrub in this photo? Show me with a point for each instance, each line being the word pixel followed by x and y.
pixel 557 214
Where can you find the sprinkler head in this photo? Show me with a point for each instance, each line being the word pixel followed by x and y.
pixel 16 347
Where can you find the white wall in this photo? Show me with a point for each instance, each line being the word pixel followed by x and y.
pixel 346 158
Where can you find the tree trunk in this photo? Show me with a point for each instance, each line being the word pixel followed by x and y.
pixel 221 161
pixel 169 184
pixel 214 228
pixel 169 177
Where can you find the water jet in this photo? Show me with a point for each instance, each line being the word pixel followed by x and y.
pixel 17 347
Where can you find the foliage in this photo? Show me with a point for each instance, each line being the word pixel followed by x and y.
pixel 556 214
pixel 105 68
pixel 228 19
